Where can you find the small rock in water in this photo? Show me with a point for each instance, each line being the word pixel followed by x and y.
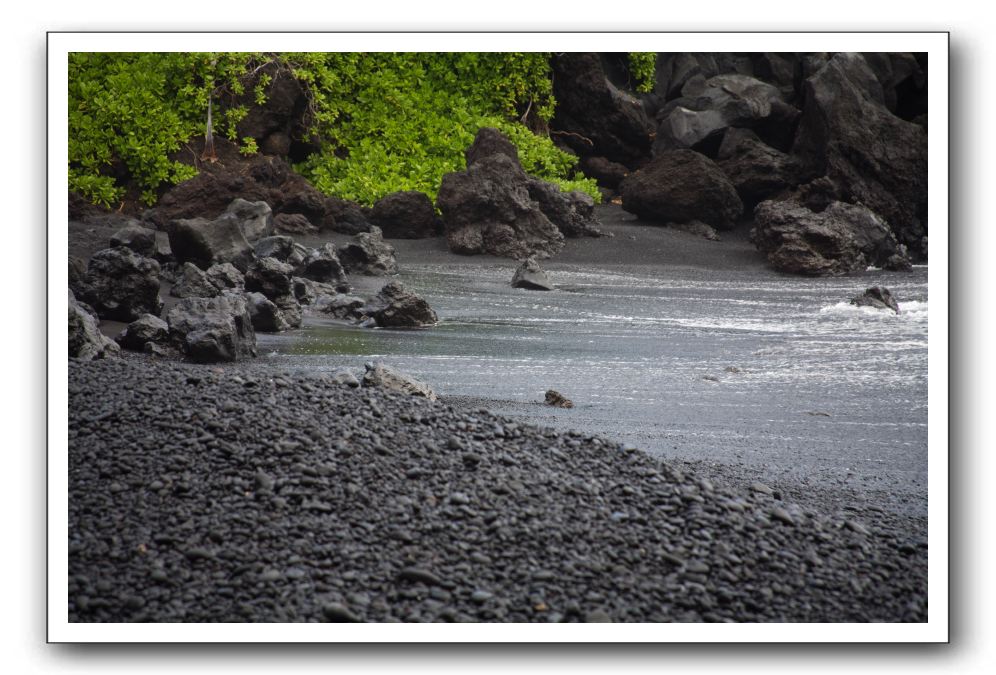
pixel 531 276
pixel 878 297
pixel 557 400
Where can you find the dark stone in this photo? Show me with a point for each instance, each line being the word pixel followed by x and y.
pixel 379 375
pixel 488 209
pixel 682 185
pixel 572 212
pixel 142 331
pixel 557 400
pixel 122 285
pixel 593 116
pixel 396 306
pixel 406 215
pixel 608 173
pixel 225 275
pixel 210 330
pixel 266 317
pixel 369 255
pixel 270 277
pixel 530 275
pixel 878 297
pixel 293 223
pixel 139 239
pixel 278 246
pixel 340 306
pixel 77 275
pixel 206 242
pixel 841 239
pixel 708 107
pixel 322 264
pixel 255 218
pixel 489 141
pixel 756 170
pixel 872 157
pixel 85 339
pixel 195 283
pixel 345 217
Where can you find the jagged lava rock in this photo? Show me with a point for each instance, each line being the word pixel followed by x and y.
pixel 122 285
pixel 679 186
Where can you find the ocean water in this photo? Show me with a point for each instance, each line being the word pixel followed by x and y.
pixel 752 368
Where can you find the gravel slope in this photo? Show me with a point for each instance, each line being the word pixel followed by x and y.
pixel 225 494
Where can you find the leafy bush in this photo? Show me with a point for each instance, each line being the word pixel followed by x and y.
pixel 129 111
pixel 642 66
pixel 385 121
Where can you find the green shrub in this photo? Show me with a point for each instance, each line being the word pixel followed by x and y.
pixel 385 121
pixel 642 67
pixel 129 111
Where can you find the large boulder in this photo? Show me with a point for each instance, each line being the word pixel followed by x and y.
pixel 323 264
pixel 608 173
pixel 270 277
pixel 755 169
pixel 405 215
pixel 490 141
pixel 194 283
pixel 210 330
pixel 122 285
pixel 345 217
pixel 679 186
pixel 841 239
pixel 266 316
pixel 572 212
pixel 488 209
pixel 255 218
pixel 872 156
pixel 206 242
pixel 593 116
pixel 225 275
pixel 369 254
pixel 379 375
pixel 142 331
pixel 139 239
pixel 397 307
pixel 85 339
pixel 708 107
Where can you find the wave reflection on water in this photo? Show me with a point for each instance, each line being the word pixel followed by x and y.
pixel 734 367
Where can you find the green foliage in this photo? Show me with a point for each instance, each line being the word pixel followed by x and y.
pixel 385 121
pixel 401 121
pixel 129 111
pixel 642 66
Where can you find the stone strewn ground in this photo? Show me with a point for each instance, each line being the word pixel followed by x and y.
pixel 227 494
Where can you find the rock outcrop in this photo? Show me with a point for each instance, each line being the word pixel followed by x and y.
pixel 842 239
pixel 369 255
pixel 756 170
pixel 207 242
pixel 873 157
pixel 122 285
pixel 209 330
pixel 405 215
pixel 595 117
pixel 142 331
pixel 85 339
pixel 397 307
pixel 679 186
